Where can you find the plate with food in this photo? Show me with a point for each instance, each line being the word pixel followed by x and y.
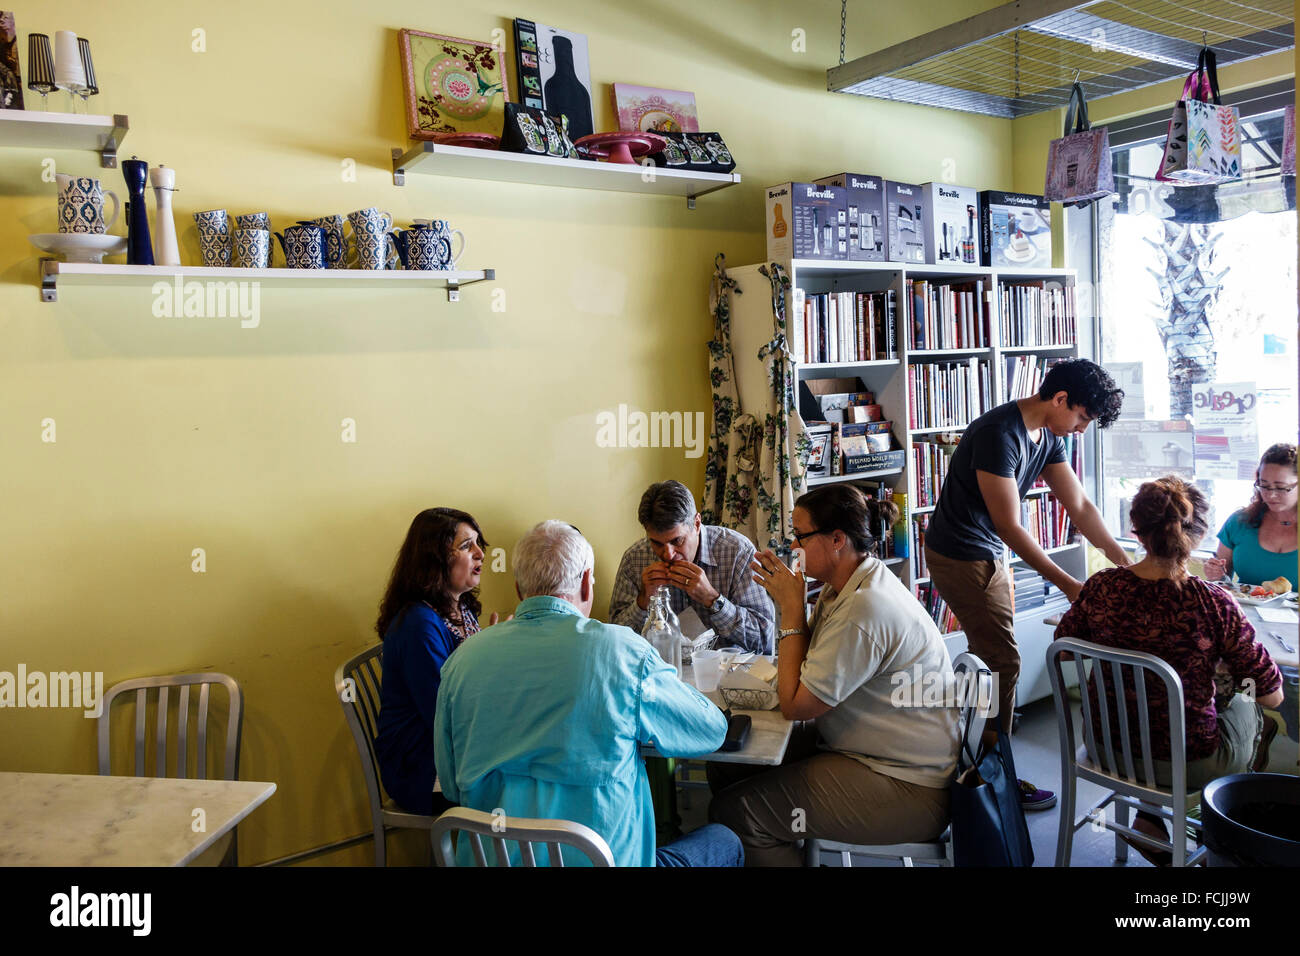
pixel 1260 594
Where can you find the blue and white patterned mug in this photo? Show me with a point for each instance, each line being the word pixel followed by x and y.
pixel 419 247
pixel 441 228
pixel 258 220
pixel 336 239
pixel 304 246
pixel 252 248
pixel 372 237
pixel 214 237
pixel 81 205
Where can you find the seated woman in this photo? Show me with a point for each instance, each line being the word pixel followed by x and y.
pixel 880 772
pixel 1259 541
pixel 1154 606
pixel 430 607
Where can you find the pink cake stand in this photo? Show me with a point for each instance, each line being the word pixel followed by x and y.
pixel 620 147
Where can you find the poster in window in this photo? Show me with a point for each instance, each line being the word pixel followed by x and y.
pixel 1128 376
pixel 1149 449
pixel 1227 430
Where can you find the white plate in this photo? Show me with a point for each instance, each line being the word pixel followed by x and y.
pixel 79 246
pixel 1260 601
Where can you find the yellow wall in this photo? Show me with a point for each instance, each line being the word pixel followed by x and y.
pixel 176 434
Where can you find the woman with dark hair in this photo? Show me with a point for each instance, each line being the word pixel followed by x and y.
pixel 876 766
pixel 430 607
pixel 1156 607
pixel 1259 541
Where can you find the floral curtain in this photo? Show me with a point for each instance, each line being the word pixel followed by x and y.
pixel 757 456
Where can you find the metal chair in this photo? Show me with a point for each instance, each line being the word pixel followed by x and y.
pixel 526 832
pixel 178 761
pixel 939 850
pixel 1127 791
pixel 357 683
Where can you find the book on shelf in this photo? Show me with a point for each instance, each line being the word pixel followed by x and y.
pixel 882 491
pixel 943 394
pixel 1024 374
pixel 930 461
pixel 1073 457
pixel 1037 313
pixel 843 326
pixel 947 315
pixel 937 608
pixel 919 568
pixel 1047 521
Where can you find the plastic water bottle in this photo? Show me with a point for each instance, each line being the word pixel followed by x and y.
pixel 663 631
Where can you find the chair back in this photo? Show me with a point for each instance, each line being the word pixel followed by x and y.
pixel 164 757
pixel 357 683
pixel 1103 668
pixel 528 833
pixel 978 694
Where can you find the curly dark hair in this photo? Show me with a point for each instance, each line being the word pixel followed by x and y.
pixel 1282 453
pixel 420 571
pixel 1169 516
pixel 1084 383
pixel 865 521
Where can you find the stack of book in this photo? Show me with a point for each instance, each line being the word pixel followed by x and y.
pixel 843 326
pixel 947 315
pixel 1032 590
pixel 947 394
pixel 930 460
pixel 1034 313
pixel 937 608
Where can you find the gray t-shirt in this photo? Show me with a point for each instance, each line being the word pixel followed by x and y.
pixel 869 642
pixel 996 442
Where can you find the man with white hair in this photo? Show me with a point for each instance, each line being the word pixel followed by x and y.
pixel 542 716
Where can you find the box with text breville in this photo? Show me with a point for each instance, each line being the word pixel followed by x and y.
pixel 865 201
pixel 806 221
pixel 1015 230
pixel 905 222
pixel 951 224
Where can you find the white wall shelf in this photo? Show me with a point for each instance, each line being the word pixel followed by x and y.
pixel 35 129
pixel 497 166
pixel 55 273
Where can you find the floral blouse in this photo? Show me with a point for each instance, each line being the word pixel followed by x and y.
pixel 466 629
pixel 1191 627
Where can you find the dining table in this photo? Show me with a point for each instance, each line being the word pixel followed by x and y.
pixel 80 820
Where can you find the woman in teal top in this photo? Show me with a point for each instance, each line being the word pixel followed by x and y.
pixel 1258 542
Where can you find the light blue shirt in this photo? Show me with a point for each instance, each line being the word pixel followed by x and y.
pixel 542 717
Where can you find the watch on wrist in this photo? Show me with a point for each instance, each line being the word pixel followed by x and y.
pixel 787 632
pixel 716 606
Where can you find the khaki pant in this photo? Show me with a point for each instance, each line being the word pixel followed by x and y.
pixel 979 593
pixel 820 795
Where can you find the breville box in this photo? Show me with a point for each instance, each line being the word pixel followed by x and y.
pixel 951 237
pixel 865 199
pixel 1015 230
pixel 806 221
pixel 905 222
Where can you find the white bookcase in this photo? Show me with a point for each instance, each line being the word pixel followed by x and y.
pixel 752 327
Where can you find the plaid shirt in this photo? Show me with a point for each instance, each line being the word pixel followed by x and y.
pixel 746 617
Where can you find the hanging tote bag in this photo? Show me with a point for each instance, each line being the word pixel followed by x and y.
pixel 988 822
pixel 1288 142
pixel 1203 144
pixel 1078 164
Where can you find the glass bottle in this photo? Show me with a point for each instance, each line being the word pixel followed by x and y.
pixel 663 631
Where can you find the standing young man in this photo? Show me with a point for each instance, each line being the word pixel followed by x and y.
pixel 997 461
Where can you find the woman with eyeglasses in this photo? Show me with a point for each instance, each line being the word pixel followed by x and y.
pixel 876 765
pixel 1258 542
pixel 430 607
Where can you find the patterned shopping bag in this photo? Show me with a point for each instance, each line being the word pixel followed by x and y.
pixel 1078 164
pixel 1203 142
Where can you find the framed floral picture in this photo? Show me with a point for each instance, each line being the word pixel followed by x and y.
pixel 452 85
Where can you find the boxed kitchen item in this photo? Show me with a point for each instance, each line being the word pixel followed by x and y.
pixel 806 221
pixel 826 399
pixel 865 200
pixel 905 222
pixel 950 236
pixel 1015 230
pixel 819 452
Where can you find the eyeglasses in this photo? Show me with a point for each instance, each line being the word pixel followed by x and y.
pixel 1275 489
pixel 807 534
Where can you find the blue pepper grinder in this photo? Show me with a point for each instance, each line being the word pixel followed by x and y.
pixel 139 249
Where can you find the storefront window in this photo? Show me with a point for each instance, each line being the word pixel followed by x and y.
pixel 1198 323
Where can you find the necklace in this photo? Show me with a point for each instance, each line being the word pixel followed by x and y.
pixel 1284 523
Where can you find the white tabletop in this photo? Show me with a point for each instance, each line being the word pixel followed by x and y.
pixel 65 819
pixel 1269 632
pixel 769 735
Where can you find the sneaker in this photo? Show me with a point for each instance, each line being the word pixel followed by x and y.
pixel 1031 798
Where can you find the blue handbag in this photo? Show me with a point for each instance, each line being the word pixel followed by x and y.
pixel 988 822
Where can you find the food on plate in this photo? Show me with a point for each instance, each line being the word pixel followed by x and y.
pixel 1278 585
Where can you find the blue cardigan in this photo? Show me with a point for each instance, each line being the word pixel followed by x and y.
pixel 416 646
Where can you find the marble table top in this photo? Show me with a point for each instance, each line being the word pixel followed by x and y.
pixel 65 819
pixel 769 735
